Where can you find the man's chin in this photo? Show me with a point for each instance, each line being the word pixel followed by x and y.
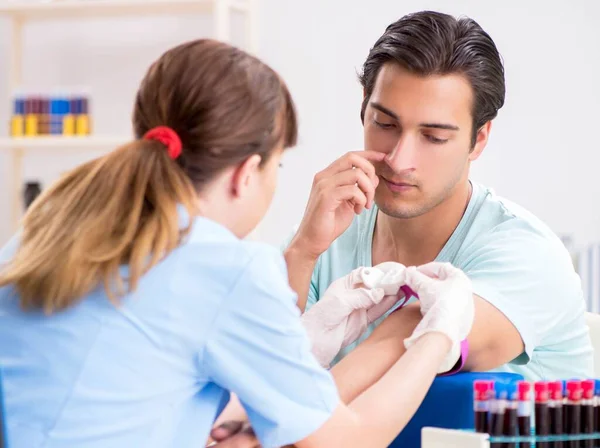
pixel 399 211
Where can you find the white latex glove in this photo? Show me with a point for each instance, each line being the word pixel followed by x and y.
pixel 447 305
pixel 388 275
pixel 349 306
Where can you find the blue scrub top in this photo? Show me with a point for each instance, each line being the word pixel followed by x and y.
pixel 217 315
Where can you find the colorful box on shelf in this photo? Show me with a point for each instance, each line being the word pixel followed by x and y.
pixel 60 114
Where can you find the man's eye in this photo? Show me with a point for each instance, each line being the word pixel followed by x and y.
pixel 435 140
pixel 383 125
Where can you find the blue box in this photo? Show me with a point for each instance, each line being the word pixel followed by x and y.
pixel 448 404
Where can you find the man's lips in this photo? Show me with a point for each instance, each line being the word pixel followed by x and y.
pixel 397 186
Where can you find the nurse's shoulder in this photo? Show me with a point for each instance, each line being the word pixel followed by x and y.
pixel 212 254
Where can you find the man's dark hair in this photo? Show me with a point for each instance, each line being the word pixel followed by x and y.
pixel 432 43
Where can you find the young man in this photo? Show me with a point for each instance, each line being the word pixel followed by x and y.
pixel 432 85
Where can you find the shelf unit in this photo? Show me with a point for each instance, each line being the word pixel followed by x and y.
pixel 47 143
pixel 22 13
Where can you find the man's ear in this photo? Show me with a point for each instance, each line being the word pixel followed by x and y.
pixel 481 140
pixel 243 174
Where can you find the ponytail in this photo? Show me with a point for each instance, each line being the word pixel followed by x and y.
pixel 120 209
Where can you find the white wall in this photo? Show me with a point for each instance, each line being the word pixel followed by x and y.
pixel 544 149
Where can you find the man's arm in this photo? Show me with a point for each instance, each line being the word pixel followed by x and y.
pixel 339 193
pixel 493 341
pixel 300 268
pixel 368 362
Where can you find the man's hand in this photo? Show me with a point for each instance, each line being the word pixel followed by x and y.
pixel 339 192
pixel 234 434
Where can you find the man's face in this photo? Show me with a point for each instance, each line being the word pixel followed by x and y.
pixel 423 124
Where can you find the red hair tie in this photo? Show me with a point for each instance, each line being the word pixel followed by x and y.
pixel 167 137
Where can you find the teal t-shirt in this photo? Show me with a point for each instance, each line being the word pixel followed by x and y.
pixel 515 262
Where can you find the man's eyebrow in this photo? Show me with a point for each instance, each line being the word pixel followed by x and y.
pixel 449 127
pixel 385 110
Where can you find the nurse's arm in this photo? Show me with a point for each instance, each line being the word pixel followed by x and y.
pixel 300 270
pixel 493 341
pixel 376 415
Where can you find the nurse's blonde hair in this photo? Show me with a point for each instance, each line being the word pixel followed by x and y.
pixel 121 209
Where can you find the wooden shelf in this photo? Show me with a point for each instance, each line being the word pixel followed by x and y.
pixel 21 13
pixel 65 143
pixel 64 9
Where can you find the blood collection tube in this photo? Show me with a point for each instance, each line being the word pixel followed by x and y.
pixel 587 411
pixel 511 426
pixel 572 411
pixel 524 411
pixel 597 407
pixel 492 400
pixel 482 391
pixel 497 408
pixel 542 421
pixel 555 406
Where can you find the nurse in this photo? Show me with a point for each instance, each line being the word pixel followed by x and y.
pixel 131 306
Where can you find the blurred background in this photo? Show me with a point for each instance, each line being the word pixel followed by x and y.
pixel 544 151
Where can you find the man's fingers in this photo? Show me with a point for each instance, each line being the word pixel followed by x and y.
pixel 227 429
pixel 357 177
pixel 357 159
pixel 242 439
pixel 238 441
pixel 352 194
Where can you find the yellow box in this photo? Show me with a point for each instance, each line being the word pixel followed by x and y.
pixel 17 126
pixel 69 125
pixel 31 125
pixel 82 125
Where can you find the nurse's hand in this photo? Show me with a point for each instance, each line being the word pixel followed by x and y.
pixel 447 305
pixel 234 435
pixel 349 306
pixel 339 192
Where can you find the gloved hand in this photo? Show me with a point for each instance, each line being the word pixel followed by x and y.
pixel 447 305
pixel 349 306
pixel 389 276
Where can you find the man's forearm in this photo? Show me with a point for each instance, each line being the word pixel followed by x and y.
pixel 493 341
pixel 377 354
pixel 300 268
